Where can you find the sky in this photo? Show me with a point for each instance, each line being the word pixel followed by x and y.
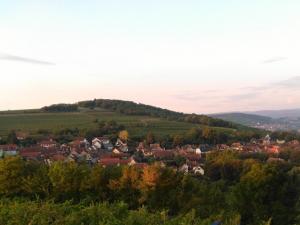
pixel 189 56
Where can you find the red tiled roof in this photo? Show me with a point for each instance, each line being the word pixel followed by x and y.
pixel 113 161
pixel 114 155
pixel 109 161
pixel 193 157
pixel 30 154
pixel 163 154
pixel 58 157
pixel 9 147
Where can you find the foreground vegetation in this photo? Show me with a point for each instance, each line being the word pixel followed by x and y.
pixel 43 213
pixel 238 189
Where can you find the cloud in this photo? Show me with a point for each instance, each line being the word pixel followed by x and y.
pixel 196 96
pixel 293 82
pixel 274 59
pixel 276 94
pixel 245 96
pixel 24 59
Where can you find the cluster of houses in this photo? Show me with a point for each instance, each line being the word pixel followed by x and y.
pixel 265 145
pixel 101 150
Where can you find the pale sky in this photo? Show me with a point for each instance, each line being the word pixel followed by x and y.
pixel 191 56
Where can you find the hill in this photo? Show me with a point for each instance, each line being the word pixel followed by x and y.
pixel 243 118
pixel 138 119
pixel 276 114
pixel 277 120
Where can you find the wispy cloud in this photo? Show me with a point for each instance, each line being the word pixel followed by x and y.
pixel 293 82
pixel 274 59
pixel 284 93
pixel 24 59
pixel 196 96
pixel 244 96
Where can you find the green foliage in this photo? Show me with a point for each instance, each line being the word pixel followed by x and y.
pixel 132 108
pixel 45 213
pixel 233 190
pixel 12 138
pixel 11 176
pixel 61 108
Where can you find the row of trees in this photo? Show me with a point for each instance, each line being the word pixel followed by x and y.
pixel 251 190
pixel 61 108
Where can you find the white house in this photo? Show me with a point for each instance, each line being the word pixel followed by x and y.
pixel 198 170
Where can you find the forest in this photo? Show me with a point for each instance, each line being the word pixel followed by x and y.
pixel 236 189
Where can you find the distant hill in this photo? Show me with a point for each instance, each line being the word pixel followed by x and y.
pixel 273 120
pixel 284 113
pixel 243 118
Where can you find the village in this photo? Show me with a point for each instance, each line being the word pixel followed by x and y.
pixel 103 151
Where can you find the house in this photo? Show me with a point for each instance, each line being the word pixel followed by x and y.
pixel 163 154
pixel 79 142
pixel 190 156
pixel 121 146
pixel 237 146
pixel 193 157
pixel 109 162
pixel 222 147
pixel 198 170
pixel 273 149
pixel 116 151
pixel 205 147
pixel 140 147
pixel 198 151
pixel 155 147
pixel 252 148
pixel 294 143
pixel 21 135
pixel 8 150
pixel 49 143
pixel 184 168
pixel 58 157
pixel 280 142
pixel 267 140
pixel 31 153
pixel 102 143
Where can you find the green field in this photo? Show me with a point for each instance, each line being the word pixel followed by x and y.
pixel 34 120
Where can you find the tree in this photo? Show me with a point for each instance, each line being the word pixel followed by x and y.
pixel 12 138
pixel 124 135
pixel 67 178
pixel 96 184
pixel 193 135
pixel 177 140
pixel 149 138
pixel 127 186
pixel 11 175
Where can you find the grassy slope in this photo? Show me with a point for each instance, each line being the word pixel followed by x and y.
pixel 33 120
